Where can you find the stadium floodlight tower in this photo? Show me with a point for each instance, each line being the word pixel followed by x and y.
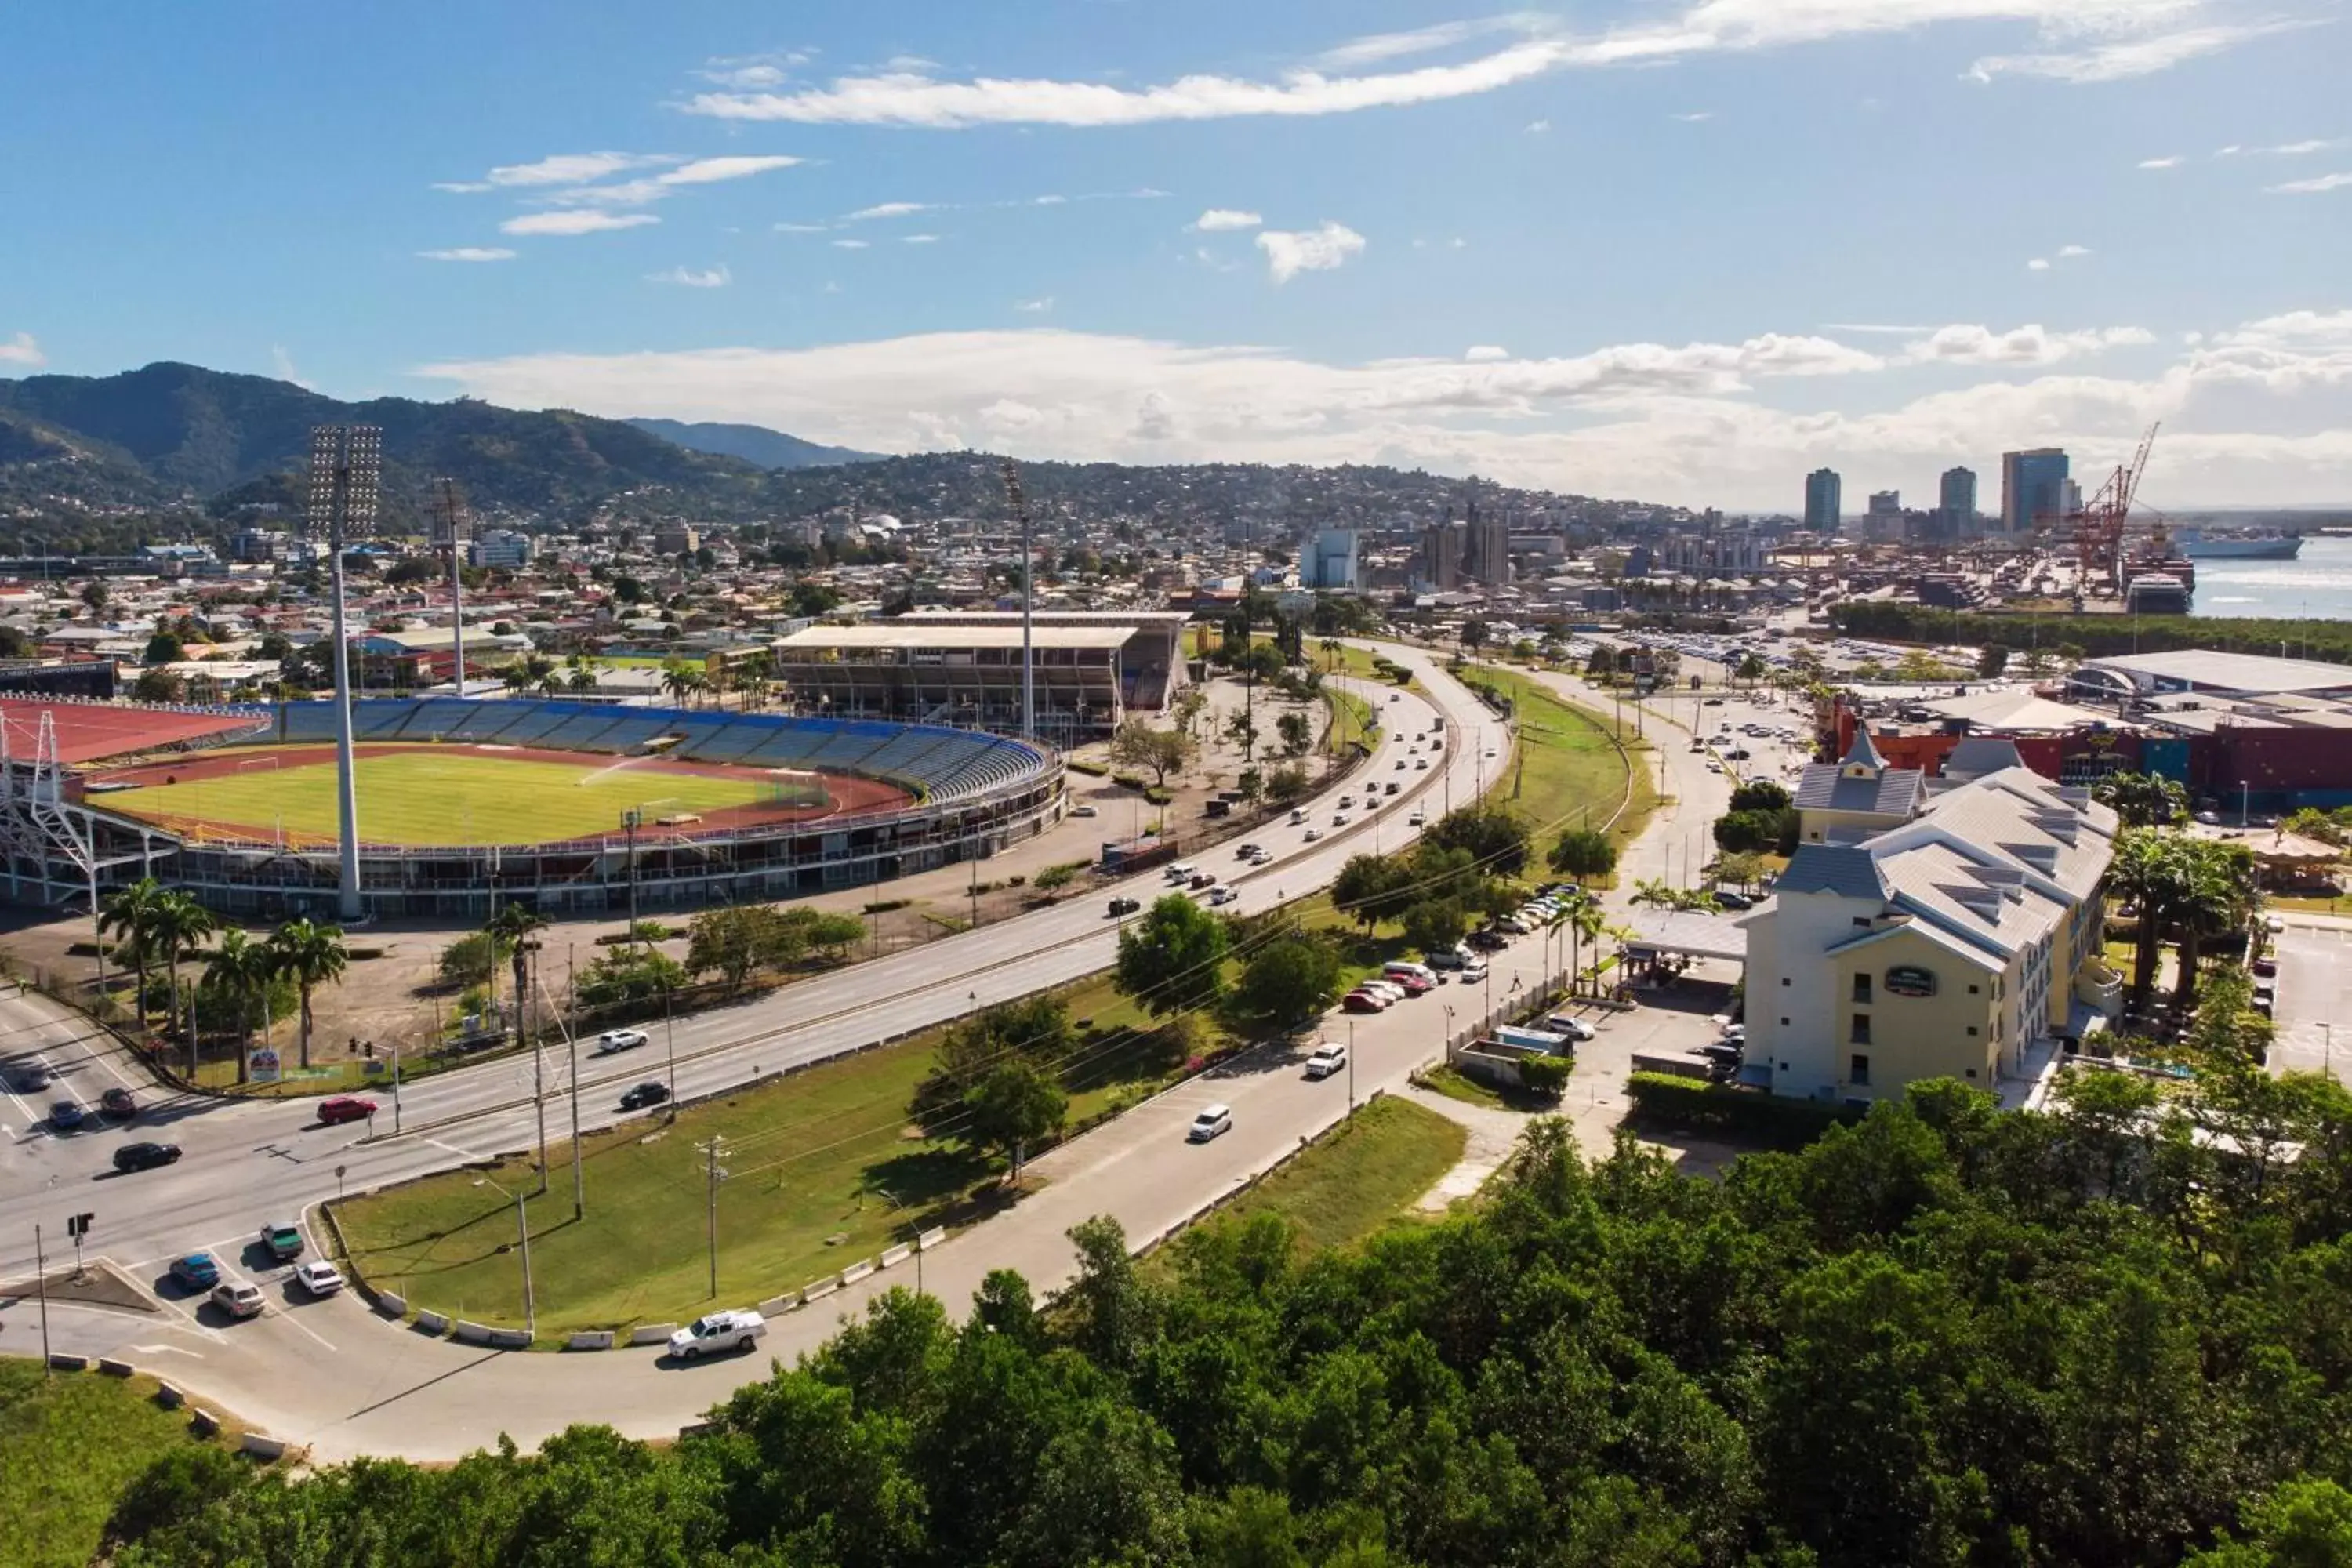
pixel 346 463
pixel 449 534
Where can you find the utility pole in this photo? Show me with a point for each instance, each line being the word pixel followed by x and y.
pixel 395 1075
pixel 713 1175
pixel 41 1276
pixel 571 1046
pixel 538 1060
pixel 670 1041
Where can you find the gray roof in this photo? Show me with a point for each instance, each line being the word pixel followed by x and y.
pixel 1893 793
pixel 1863 750
pixel 1982 754
pixel 1848 870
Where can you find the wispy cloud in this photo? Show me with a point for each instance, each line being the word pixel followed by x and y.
pixel 755 71
pixel 1695 116
pixel 2311 186
pixel 22 350
pixel 1037 307
pixel 2030 344
pixel 705 171
pixel 1485 353
pixel 2067 252
pixel 586 220
pixel 2120 59
pixel 2173 162
pixel 469 253
pixel 849 245
pixel 1377 48
pixel 918 240
pixel 1538 127
pixel 1217 220
pixel 687 278
pixel 1874 327
pixel 2297 148
pixel 2038 264
pixel 890 209
pixel 562 169
pixel 1321 249
pixel 281 365
pixel 804 228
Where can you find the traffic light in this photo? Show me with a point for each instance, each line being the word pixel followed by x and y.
pixel 78 1225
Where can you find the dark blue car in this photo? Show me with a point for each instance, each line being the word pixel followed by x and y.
pixel 65 1115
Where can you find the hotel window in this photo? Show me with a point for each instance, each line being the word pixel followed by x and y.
pixel 1862 987
pixel 1858 1070
pixel 1860 1035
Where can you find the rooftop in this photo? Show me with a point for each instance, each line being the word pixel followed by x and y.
pixel 2245 672
pixel 905 633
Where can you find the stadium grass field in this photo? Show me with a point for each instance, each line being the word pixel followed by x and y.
pixel 435 796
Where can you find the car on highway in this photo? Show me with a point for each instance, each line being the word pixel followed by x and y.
pixel 66 1115
pixel 716 1331
pixel 116 1104
pixel 1221 894
pixel 1326 1059
pixel 145 1156
pixel 1422 765
pixel 344 1107
pixel 1247 851
pixel 1339 819
pixel 282 1239
pixel 653 1092
pixel 1360 1001
pixel 613 1040
pixel 319 1278
pixel 197 1269
pixel 1124 907
pixel 1213 1122
pixel 1181 871
pixel 239 1298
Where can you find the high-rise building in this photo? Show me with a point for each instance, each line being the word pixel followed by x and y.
pixel 2034 489
pixel 1487 556
pixel 1441 555
pixel 1822 496
pixel 1883 523
pixel 1331 560
pixel 1956 497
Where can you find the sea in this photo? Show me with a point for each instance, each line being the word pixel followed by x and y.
pixel 2315 585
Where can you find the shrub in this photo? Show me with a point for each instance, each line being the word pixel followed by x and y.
pixel 883 906
pixel 1546 1076
pixel 1697 1106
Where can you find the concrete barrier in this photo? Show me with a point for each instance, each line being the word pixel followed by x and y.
pixel 65 1363
pixel 510 1339
pixel 652 1333
pixel 776 1306
pixel 931 1239
pixel 390 1305
pixel 262 1448
pixel 435 1323
pixel 856 1271
pixel 472 1333
pixel 892 1257
pixel 590 1340
pixel 818 1289
pixel 202 1422
pixel 116 1368
pixel 169 1397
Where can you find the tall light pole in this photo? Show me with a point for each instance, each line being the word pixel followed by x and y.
pixel 523 1229
pixel 714 1174
pixel 629 820
pixel 345 464
pixel 1352 1064
pixel 914 1232
pixel 451 526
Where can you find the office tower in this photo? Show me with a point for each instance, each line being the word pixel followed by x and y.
pixel 1821 499
pixel 2034 489
pixel 1330 561
pixel 1441 555
pixel 1957 500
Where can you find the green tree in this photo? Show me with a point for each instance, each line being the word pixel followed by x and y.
pixel 1760 795
pixel 1751 668
pixel 1371 889
pixel 1017 1104
pixel 1137 745
pixel 1172 960
pixel 1286 782
pixel 1435 925
pixel 2303 1523
pixel 240 970
pixel 515 928
pixel 164 648
pixel 309 955
pixel 2150 873
pixel 1034 1032
pixel 2143 800
pixel 1584 853
pixel 1288 980
pixel 2219 896
pixel 1494 836
pixel 1297 732
pixel 130 914
pixel 178 926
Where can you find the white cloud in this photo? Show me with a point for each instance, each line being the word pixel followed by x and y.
pixel 1485 353
pixel 763 70
pixel 1038 306
pixel 687 278
pixel 576 221
pixel 849 245
pixel 2039 263
pixel 705 171
pixel 1316 250
pixel 2032 345
pixel 1695 116
pixel 1047 201
pixel 2123 59
pixel 1457 243
pixel 22 350
pixel 1538 127
pixel 2126 38
pixel 2311 186
pixel 2297 148
pixel 918 240
pixel 281 365
pixel 2068 251
pixel 890 209
pixel 469 253
pixel 804 228
pixel 1695 424
pixel 565 169
pixel 2173 162
pixel 1220 219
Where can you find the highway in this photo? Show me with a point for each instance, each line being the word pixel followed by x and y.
pixel 337 1378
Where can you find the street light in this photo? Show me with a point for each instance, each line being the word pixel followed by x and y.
pixel 1352 1064
pixel 523 1228
pixel 914 1232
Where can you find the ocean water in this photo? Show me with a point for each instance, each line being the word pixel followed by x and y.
pixel 2315 585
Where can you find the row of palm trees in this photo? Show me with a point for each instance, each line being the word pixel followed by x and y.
pixel 2191 889
pixel 160 923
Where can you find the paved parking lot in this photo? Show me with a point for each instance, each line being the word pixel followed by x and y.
pixel 2315 995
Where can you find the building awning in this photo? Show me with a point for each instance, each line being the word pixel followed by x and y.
pixel 1688 934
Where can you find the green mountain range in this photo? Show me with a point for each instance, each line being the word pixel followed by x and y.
pixel 753 443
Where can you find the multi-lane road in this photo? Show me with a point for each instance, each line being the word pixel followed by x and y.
pixel 340 1380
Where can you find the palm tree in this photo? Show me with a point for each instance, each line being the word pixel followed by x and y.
pixel 241 969
pixel 678 680
pixel 551 684
pixel 510 928
pixel 582 679
pixel 310 954
pixel 516 677
pixel 180 926
pixel 1585 923
pixel 2218 895
pixel 2149 871
pixel 131 913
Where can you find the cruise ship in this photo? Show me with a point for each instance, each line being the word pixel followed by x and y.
pixel 2157 594
pixel 2241 546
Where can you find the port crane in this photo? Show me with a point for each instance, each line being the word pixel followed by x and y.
pixel 2098 523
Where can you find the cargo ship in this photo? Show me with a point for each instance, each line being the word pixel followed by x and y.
pixel 2240 546
pixel 2157 594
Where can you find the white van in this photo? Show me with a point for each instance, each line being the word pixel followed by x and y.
pixel 1398 969
pixel 1297 815
pixel 1183 871
pixel 1215 1121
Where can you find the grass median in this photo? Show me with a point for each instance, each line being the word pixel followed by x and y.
pixel 1572 766
pixel 1355 1179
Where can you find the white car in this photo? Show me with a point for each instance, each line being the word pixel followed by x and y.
pixel 1084 811
pixel 1475 970
pixel 718 1332
pixel 1389 989
pixel 1574 1028
pixel 1417 818
pixel 1213 1122
pixel 239 1298
pixel 613 1040
pixel 1221 894
pixel 1312 834
pixel 319 1277
pixel 1328 1059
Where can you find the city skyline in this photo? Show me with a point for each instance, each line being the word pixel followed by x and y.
pixel 1386 233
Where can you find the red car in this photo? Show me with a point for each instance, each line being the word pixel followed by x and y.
pixel 345 1108
pixel 1362 1002
pixel 1414 986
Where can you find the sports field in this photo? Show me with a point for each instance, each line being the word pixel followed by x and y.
pixel 460 794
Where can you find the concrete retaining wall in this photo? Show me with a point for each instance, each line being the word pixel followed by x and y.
pixel 777 1306
pixel 431 1323
pixel 652 1333
pixel 856 1271
pixel 169 1397
pixel 592 1340
pixel 65 1363
pixel 262 1448
pixel 202 1422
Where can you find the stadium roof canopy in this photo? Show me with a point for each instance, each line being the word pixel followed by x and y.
pixel 901 634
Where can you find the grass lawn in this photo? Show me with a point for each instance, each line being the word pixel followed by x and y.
pixel 68 1445
pixel 425 797
pixel 1360 1177
pixel 1352 719
pixel 1454 1085
pixel 1572 774
pixel 2308 905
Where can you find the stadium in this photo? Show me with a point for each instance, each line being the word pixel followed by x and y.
pixel 560 805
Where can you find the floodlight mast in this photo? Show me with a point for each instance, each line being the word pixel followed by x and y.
pixel 1013 493
pixel 346 462
pixel 450 524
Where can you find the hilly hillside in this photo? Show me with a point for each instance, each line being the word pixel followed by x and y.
pixel 753 443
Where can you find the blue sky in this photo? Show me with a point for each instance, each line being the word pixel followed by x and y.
pixel 1678 249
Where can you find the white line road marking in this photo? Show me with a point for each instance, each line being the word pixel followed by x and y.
pixel 453 1149
pixel 162 1350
